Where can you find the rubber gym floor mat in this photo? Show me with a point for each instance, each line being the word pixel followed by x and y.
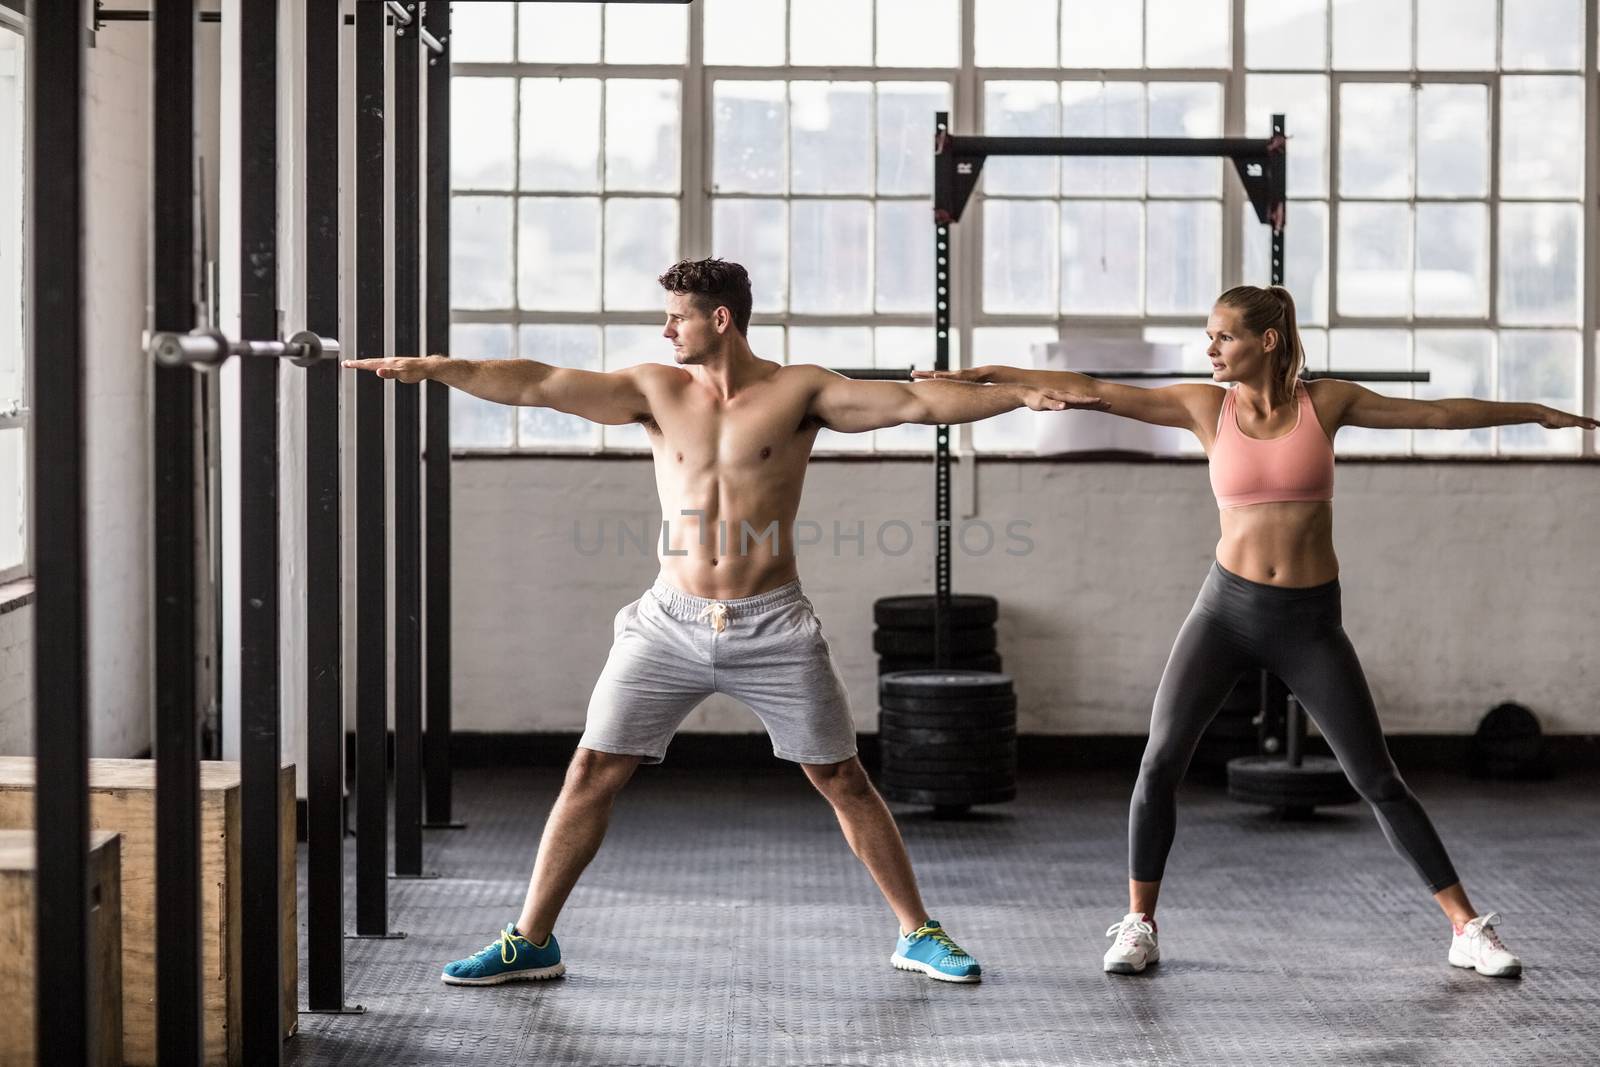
pixel 725 922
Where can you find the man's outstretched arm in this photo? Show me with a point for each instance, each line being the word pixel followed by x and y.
pixel 851 406
pixel 612 398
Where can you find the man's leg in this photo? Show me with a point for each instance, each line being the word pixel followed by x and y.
pixel 572 835
pixel 872 834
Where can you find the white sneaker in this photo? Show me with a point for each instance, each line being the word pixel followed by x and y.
pixel 1477 946
pixel 1134 946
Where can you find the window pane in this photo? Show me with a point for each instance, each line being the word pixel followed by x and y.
pixel 480 252
pixel 481 33
pixel 748 145
pixel 905 135
pixel 641 242
pixel 558 252
pixel 1302 99
pixel 1455 34
pixel 560 134
pixel 480 121
pixel 830 33
pixel 1375 140
pixel 647 33
pixel 1375 259
pixel 553 33
pixel 1098 35
pixel 768 343
pixel 1183 257
pixel 1540 154
pixel 1102 109
pixel 1315 342
pixel 832 256
pixel 901 347
pixel 755 233
pixel 1016 33
pixel 1013 431
pixel 831 138
pixel 1452 275
pixel 1179 109
pixel 1388 350
pixel 744 33
pixel 919 33
pixel 1187 33
pixel 1453 140
pixel 476 423
pixel 1101 253
pixel 1461 363
pixel 904 252
pixel 1539 264
pixel 1542 35
pixel 1015 109
pixel 1305 268
pixel 1540 367
pixel 564 346
pixel 1286 34
pixel 1019 256
pixel 1368 35
pixel 642 135
pixel 14 496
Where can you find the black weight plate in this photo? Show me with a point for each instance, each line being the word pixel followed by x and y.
pixel 916 612
pixel 899 769
pixel 899 753
pixel 941 798
pixel 965 642
pixel 963 784
pixel 944 685
pixel 910 736
pixel 956 706
pixel 983 661
pixel 1269 780
pixel 893 721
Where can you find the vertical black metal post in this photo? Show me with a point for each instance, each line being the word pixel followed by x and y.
pixel 407 455
pixel 372 642
pixel 324 582
pixel 60 692
pixel 259 745
pixel 179 1037
pixel 436 507
pixel 1279 177
pixel 941 451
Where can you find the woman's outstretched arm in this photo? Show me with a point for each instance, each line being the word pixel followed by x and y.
pixel 1355 405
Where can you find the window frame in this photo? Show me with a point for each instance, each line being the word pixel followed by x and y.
pixel 12 20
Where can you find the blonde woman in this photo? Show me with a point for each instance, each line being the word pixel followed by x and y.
pixel 1271 599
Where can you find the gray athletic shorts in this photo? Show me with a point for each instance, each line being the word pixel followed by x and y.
pixel 673 650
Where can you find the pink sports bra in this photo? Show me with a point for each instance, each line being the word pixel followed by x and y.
pixel 1251 470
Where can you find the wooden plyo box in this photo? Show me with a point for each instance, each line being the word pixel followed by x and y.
pixel 122 799
pixel 19 957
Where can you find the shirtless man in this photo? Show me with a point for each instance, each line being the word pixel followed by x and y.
pixel 731 434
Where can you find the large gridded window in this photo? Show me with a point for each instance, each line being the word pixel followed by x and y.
pixel 13 358
pixel 1436 185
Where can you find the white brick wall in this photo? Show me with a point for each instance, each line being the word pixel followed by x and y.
pixel 1464 584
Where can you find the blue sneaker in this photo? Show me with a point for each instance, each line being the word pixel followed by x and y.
pixel 508 958
pixel 929 949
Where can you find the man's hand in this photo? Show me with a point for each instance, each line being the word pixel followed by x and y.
pixel 1551 419
pixel 405 369
pixel 1060 400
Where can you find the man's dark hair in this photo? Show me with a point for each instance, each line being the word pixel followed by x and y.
pixel 713 283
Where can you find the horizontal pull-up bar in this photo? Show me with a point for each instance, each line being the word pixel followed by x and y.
pixel 1105 146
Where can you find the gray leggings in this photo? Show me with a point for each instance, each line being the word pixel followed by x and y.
pixel 1238 625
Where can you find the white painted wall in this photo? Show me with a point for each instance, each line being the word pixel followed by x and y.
pixel 117 398
pixel 1465 585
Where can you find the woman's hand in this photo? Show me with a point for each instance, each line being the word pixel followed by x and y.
pixel 970 374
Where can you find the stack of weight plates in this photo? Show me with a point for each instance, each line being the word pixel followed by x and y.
pixel 947 739
pixel 904 637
